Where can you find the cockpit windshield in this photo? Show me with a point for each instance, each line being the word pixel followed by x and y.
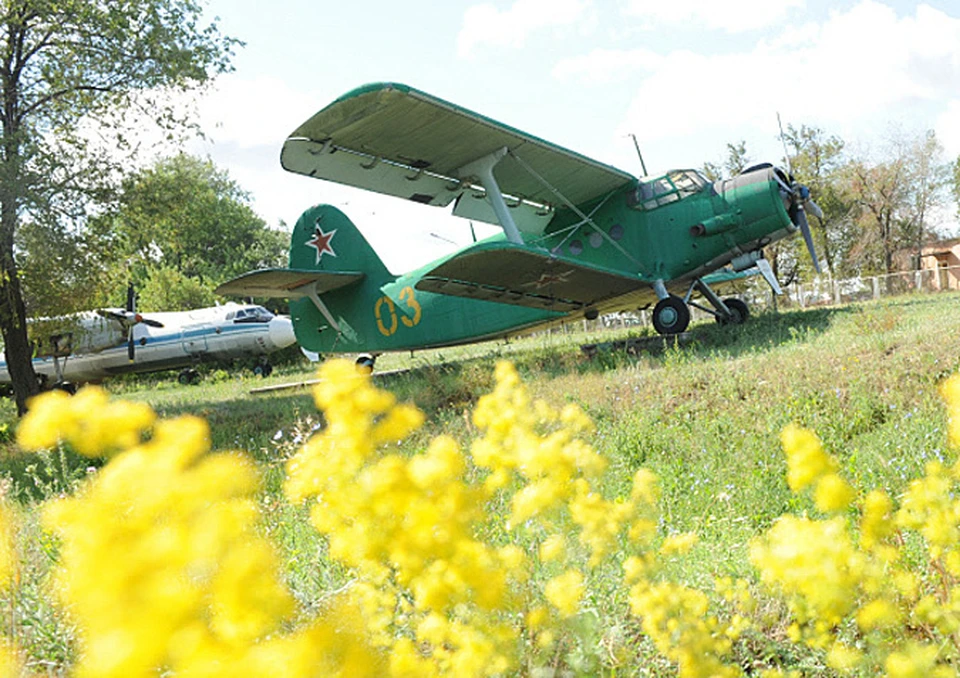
pixel 253 314
pixel 672 186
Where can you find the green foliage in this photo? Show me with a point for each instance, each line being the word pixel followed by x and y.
pixel 78 74
pixel 185 214
pixel 167 289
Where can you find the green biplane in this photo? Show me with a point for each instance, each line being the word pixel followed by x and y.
pixel 580 238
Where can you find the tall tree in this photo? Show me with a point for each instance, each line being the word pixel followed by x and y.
pixel 956 184
pixel 816 161
pixel 737 159
pixel 67 66
pixel 186 215
pixel 894 197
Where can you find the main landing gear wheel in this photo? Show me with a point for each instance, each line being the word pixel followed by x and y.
pixel 263 369
pixel 671 315
pixel 188 376
pixel 739 312
pixel 365 363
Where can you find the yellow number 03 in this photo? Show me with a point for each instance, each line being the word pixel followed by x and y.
pixel 387 320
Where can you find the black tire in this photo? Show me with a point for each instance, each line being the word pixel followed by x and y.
pixel 263 370
pixel 739 312
pixel 671 315
pixel 365 363
pixel 67 387
pixel 188 377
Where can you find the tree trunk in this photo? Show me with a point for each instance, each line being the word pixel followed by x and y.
pixel 17 349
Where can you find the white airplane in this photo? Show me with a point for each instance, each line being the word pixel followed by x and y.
pixel 108 342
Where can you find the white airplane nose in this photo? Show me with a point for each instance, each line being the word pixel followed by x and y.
pixel 281 332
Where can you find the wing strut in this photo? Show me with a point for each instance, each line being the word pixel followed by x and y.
pixel 482 168
pixel 586 219
pixel 311 293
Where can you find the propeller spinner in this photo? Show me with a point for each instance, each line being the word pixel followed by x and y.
pixel 128 318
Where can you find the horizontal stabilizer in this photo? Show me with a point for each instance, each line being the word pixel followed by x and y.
pixel 286 283
pixel 523 276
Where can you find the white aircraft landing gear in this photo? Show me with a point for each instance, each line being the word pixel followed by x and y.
pixel 188 376
pixel 263 368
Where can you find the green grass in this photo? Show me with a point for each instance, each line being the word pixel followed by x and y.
pixel 705 417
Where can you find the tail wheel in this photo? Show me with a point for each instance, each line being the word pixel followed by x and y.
pixel 365 363
pixel 739 312
pixel 671 315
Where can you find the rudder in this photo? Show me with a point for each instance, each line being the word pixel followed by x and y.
pixel 325 239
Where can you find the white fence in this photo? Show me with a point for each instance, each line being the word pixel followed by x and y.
pixel 821 292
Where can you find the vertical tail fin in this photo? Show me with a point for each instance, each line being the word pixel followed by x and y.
pixel 325 239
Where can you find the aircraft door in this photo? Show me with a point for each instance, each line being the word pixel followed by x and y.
pixel 193 338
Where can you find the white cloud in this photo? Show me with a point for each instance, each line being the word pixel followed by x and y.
pixel 486 26
pixel 255 112
pixel 733 17
pixel 607 65
pixel 852 66
pixel 948 129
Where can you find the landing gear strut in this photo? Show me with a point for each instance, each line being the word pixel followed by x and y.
pixel 671 315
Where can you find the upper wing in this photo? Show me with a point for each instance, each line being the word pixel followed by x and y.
pixel 518 275
pixel 286 283
pixel 393 139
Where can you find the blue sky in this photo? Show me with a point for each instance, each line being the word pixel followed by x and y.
pixel 685 77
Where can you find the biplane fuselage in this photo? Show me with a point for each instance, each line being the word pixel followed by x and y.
pixel 579 238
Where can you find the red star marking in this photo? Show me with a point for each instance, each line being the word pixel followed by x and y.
pixel 321 242
pixel 547 279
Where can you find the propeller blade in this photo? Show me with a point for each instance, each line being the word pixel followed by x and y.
pixel 813 208
pixel 131 348
pixel 113 315
pixel 151 322
pixel 807 235
pixel 131 298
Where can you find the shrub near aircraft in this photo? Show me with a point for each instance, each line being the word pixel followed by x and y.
pixel 579 237
pixel 97 344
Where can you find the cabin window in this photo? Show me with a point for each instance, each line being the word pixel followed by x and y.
pixel 253 314
pixel 664 190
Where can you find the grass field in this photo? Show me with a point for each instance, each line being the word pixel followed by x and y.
pixel 705 417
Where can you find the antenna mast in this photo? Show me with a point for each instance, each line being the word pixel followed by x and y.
pixel 639 154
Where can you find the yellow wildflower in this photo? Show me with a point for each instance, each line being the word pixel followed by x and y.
pixel 565 591
pixel 806 460
pixel 950 392
pixel 678 544
pixel 552 548
pixel 832 493
pixel 88 421
pixel 878 614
